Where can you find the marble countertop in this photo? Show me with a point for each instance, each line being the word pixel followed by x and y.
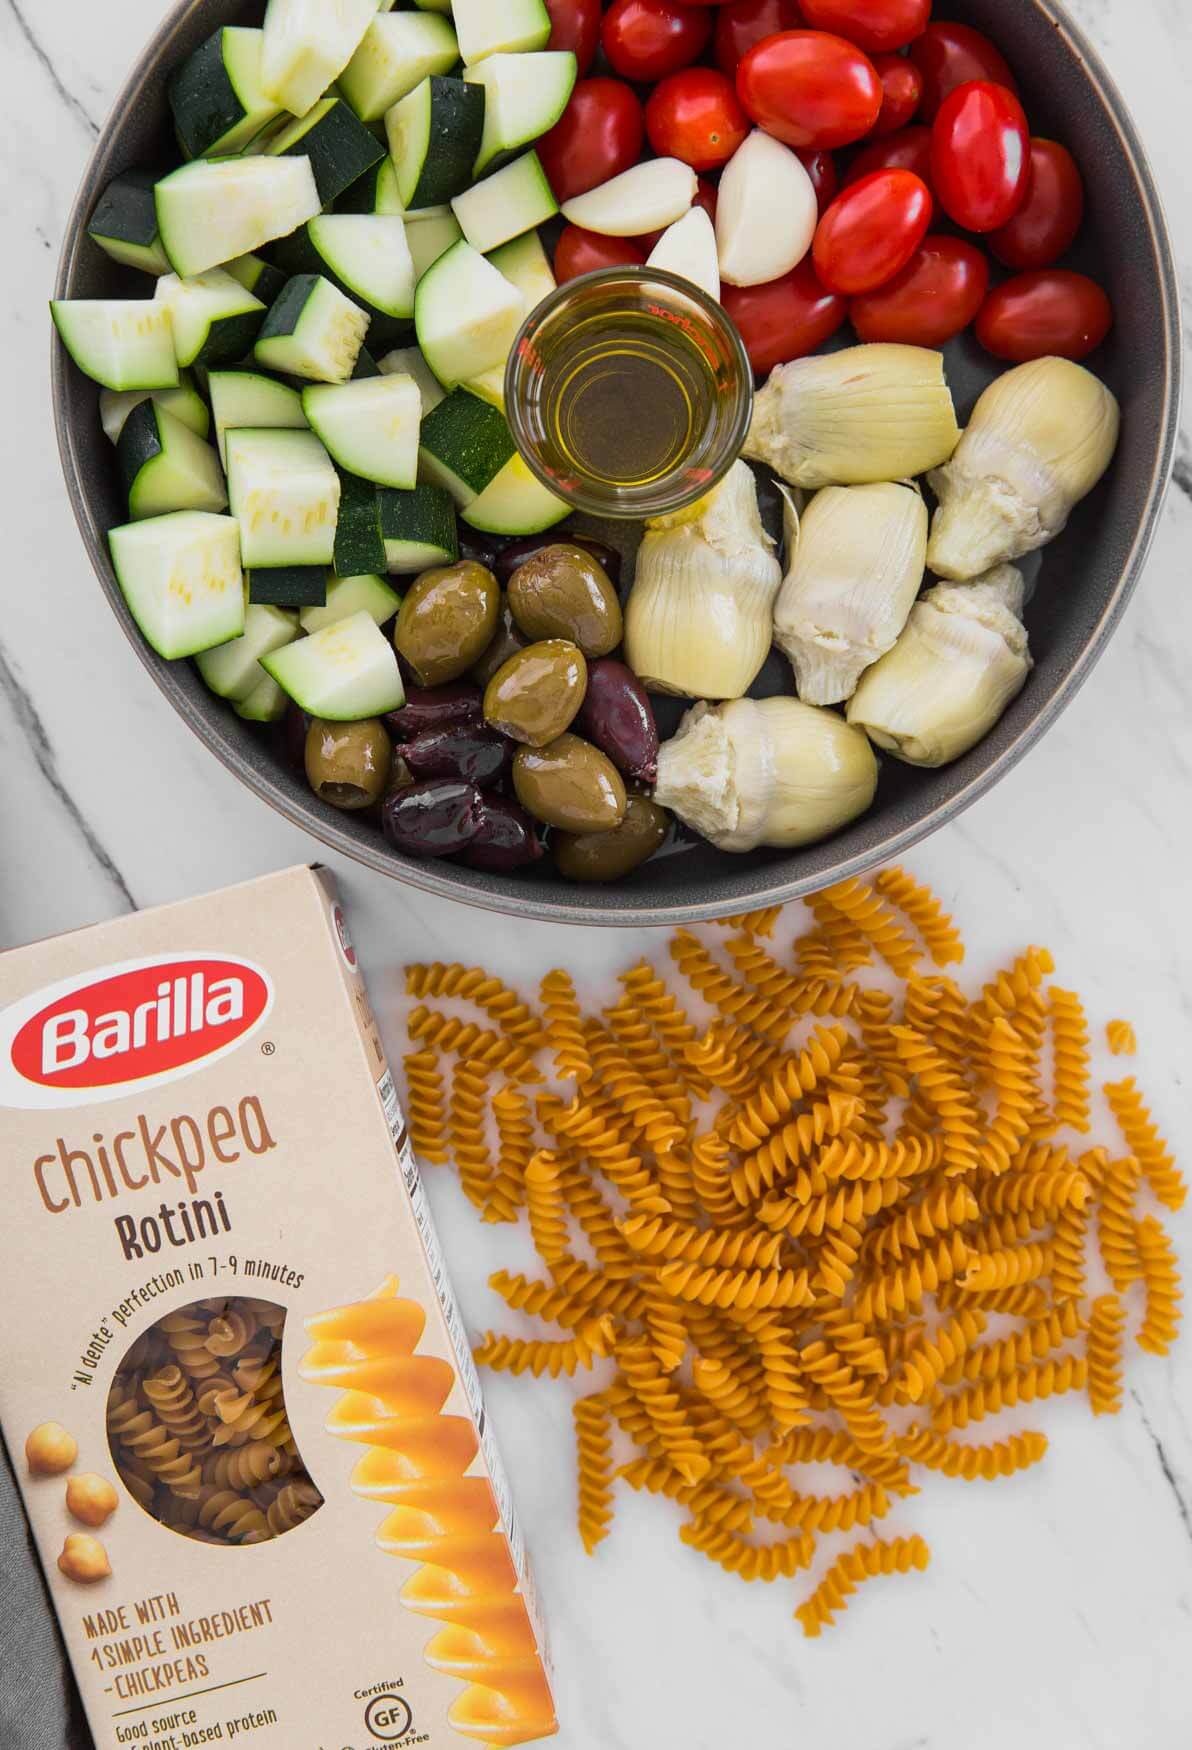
pixel 1058 1611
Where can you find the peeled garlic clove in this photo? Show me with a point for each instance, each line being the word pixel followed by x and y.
pixel 857 568
pixel 963 657
pixel 867 414
pixel 688 248
pixel 765 772
pixel 699 618
pixel 646 198
pixel 1040 439
pixel 766 212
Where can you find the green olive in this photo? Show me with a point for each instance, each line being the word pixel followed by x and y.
pixel 447 620
pixel 534 696
pixel 570 784
pixel 563 592
pixel 506 642
pixel 347 764
pixel 608 856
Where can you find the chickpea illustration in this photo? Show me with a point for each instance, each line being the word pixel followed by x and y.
pixel 84 1559
pixel 90 1498
pixel 50 1450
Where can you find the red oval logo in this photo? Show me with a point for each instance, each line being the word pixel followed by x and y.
pixel 144 1021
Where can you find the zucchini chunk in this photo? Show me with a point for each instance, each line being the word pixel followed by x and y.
pixel 524 96
pixel 399 50
pixel 165 466
pixel 122 343
pixel 249 400
pixel 352 595
pixel 340 148
pixel 345 672
pixel 181 577
pixel 124 223
pixel 308 43
pixel 369 427
pixel 184 402
pixel 312 331
pixel 213 319
pixel 467 315
pixel 219 103
pixel 374 192
pixel 418 529
pixel 285 493
pixel 233 671
pixel 288 586
pixel 430 233
pixel 359 549
pixel 214 210
pixel 500 27
pixel 506 204
pixel 434 137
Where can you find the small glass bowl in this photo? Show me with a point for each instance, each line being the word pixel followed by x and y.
pixel 566 334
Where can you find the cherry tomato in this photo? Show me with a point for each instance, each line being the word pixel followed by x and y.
pixel 935 297
pixel 949 55
pixel 706 196
pixel 980 155
pixel 786 319
pixel 580 251
pixel 599 134
pixel 647 39
pixel 695 116
pixel 575 25
pixel 902 88
pixel 874 25
pixel 742 23
pixel 825 179
pixel 810 89
pixel 870 231
pixel 908 149
pixel 1038 315
pixel 1052 211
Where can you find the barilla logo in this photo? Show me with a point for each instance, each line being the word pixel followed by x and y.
pixel 127 1027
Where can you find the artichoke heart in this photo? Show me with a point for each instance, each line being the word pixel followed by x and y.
pixel 765 772
pixel 853 418
pixel 1040 439
pixel 699 619
pixel 856 566
pixel 963 657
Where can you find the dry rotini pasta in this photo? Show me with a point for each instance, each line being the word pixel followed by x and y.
pixel 594 1465
pixel 865 1561
pixel 1121 1038
pixel 1107 1328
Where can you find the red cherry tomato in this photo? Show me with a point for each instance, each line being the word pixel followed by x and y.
pixel 579 251
pixel 647 39
pixel 935 297
pixel 706 196
pixel 825 179
pixel 980 155
pixel 786 319
pixel 1052 211
pixel 874 25
pixel 742 23
pixel 902 88
pixel 810 89
pixel 949 55
pixel 575 25
pixel 1044 314
pixel 695 116
pixel 599 134
pixel 908 149
pixel 870 231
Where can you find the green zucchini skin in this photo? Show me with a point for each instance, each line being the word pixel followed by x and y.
pixel 124 223
pixel 359 548
pixel 230 339
pixel 298 256
pixel 468 437
pixel 258 277
pixel 205 103
pixel 340 148
pixel 366 366
pixel 455 127
pixel 285 312
pixel 140 443
pixel 423 517
pixel 288 586
pixel 373 193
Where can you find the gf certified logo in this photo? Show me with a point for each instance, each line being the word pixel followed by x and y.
pixel 388 1718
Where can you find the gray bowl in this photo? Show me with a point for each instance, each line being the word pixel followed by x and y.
pixel 1088 575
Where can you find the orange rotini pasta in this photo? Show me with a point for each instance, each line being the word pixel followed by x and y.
pixel 1121 1038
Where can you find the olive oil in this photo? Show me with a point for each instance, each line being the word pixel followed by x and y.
pixel 629 393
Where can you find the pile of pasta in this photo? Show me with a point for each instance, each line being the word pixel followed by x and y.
pixel 198 1428
pixel 812 1208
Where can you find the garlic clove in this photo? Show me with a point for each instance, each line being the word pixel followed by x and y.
pixel 866 414
pixel 766 212
pixel 856 570
pixel 688 248
pixel 963 657
pixel 647 197
pixel 1040 438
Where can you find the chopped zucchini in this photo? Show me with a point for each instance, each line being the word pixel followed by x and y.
pixel 184 402
pixel 516 503
pixel 339 146
pixel 465 444
pixel 121 343
pixel 308 43
pixel 288 586
pixel 374 192
pixel 367 258
pixel 366 366
pixel 467 315
pixel 506 204
pixel 489 387
pixel 249 400
pixel 181 578
pixel 352 595
pixel 124 223
pixel 285 493
pixel 524 96
pixel 312 331
pixel 500 27
pixel 399 50
pixel 418 529
pixel 359 548
pixel 525 265
pixel 213 319
pixel 216 209
pixel 165 466
pixel 258 277
pixel 345 672
pixel 265 704
pixel 408 361
pixel 219 104
pixel 434 137
pixel 233 671
pixel 370 427
pixel 431 233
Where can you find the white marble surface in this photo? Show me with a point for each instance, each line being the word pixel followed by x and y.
pixel 1058 1612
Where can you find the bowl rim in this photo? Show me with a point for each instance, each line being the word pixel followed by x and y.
pixel 749 892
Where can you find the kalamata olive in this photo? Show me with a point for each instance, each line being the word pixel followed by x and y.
pixel 517 552
pixel 608 856
pixel 483 549
pixel 570 784
pixel 534 696
pixel 347 764
pixel 505 840
pixel 617 715
pixel 507 641
pixel 435 708
pixel 468 751
pixel 288 737
pixel 446 621
pixel 562 592
pixel 433 820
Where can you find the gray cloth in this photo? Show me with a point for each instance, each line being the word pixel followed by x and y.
pixel 39 1705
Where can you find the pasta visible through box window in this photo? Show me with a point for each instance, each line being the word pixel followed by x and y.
pixel 196 1444
pixel 802 1233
